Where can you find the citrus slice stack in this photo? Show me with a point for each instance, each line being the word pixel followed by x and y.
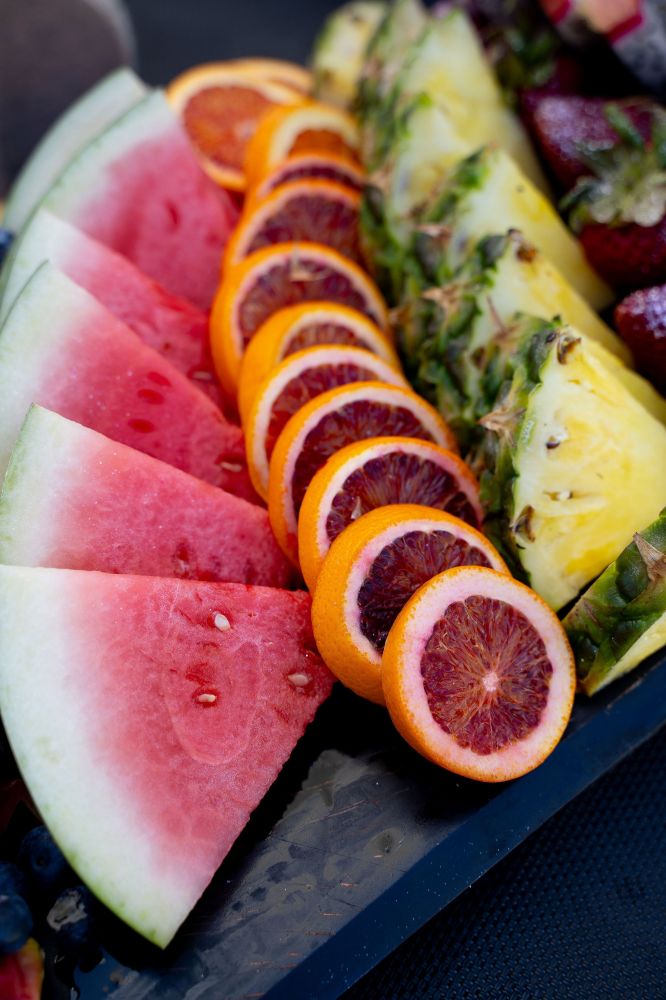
pixel 279 276
pixel 323 426
pixel 310 324
pixel 306 127
pixel 371 571
pixel 374 473
pixel 307 210
pixel 298 379
pixel 220 106
pixel 324 166
pixel 478 675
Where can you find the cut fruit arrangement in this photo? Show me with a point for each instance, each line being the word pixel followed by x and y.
pixel 394 212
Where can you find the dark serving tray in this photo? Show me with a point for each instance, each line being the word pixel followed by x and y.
pixel 356 846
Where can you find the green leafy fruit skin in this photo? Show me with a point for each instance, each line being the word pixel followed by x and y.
pixel 620 606
pixel 494 451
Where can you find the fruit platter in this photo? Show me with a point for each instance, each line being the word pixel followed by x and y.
pixel 333 516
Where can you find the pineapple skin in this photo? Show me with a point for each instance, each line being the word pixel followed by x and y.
pixel 621 619
pixel 571 466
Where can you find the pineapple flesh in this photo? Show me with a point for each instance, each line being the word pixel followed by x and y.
pixel 621 619
pixel 496 196
pixel 448 63
pixel 339 52
pixel 572 465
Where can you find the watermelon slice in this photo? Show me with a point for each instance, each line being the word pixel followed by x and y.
pixel 149 717
pixel 73 499
pixel 139 189
pixel 59 347
pixel 170 324
pixel 85 119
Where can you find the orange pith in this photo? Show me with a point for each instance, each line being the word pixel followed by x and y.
pixel 324 425
pixel 309 324
pixel 369 474
pixel 307 127
pixel 353 607
pixel 279 276
pixel 298 166
pixel 219 107
pixel 300 211
pixel 517 657
pixel 297 380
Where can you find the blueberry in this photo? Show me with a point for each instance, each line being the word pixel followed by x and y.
pixel 6 239
pixel 42 860
pixel 15 923
pixel 71 919
pixel 12 880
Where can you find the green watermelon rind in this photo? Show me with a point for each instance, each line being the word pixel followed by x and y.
pixel 84 120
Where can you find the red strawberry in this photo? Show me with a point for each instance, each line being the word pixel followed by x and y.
pixel 619 209
pixel 641 321
pixel 565 77
pixel 569 129
pixel 629 256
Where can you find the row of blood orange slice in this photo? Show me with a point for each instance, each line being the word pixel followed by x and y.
pixel 365 490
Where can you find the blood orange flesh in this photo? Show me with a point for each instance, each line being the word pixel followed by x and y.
pixel 398 477
pixel 354 421
pixel 316 334
pixel 486 674
pixel 220 120
pixel 305 386
pixel 298 278
pixel 400 569
pixel 314 165
pixel 314 216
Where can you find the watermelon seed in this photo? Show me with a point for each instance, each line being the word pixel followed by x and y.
pixel 203 376
pixel 207 698
pixel 298 680
pixel 231 466
pixel 222 622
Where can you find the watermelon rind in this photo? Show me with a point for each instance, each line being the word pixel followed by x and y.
pixel 143 793
pixel 73 130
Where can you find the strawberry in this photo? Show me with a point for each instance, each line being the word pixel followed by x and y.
pixel 641 321
pixel 569 129
pixel 619 208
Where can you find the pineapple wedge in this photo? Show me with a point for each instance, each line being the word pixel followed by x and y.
pixel 455 336
pixel 489 194
pixel 573 465
pixel 339 51
pixel 448 63
pixel 621 619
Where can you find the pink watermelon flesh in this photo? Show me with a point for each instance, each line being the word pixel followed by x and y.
pixel 73 499
pixel 149 717
pixel 139 189
pixel 61 348
pixel 171 325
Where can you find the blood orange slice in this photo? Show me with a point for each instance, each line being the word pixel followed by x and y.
pixel 279 276
pixel 297 380
pixel 374 473
pixel 311 210
pixel 307 127
pixel 220 106
pixel 277 70
pixel 478 675
pixel 323 426
pixel 325 166
pixel 294 328
pixel 371 571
